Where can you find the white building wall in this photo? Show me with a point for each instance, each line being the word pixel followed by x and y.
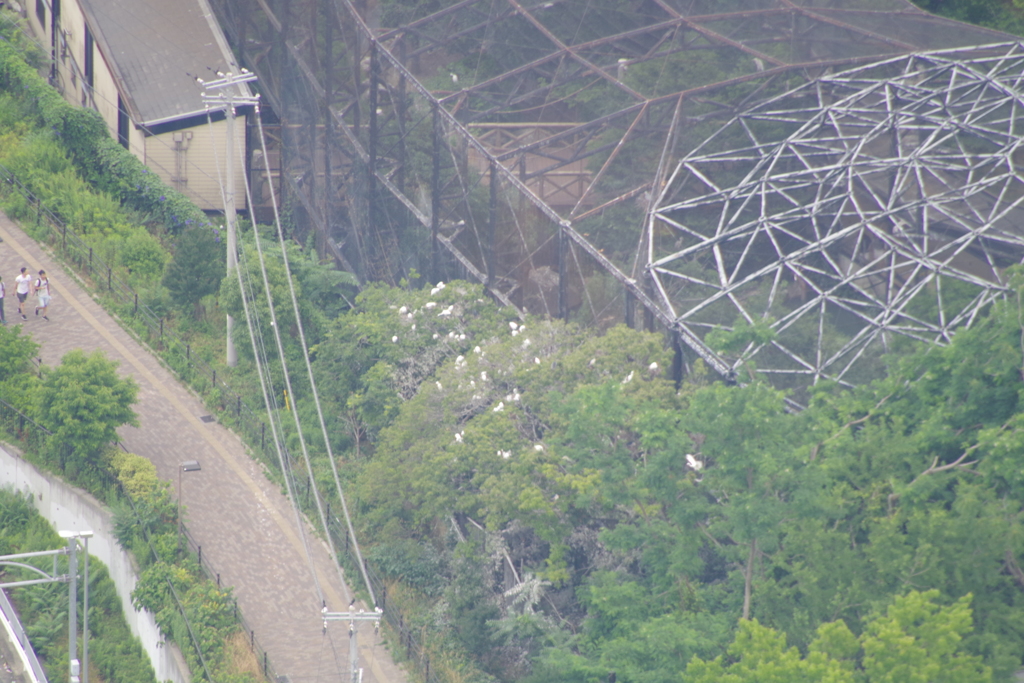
pixel 194 160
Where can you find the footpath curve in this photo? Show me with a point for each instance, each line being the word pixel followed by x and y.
pixel 244 524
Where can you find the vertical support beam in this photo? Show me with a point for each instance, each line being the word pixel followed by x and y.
pixel 678 359
pixel 400 111
pixel 329 189
pixel 648 313
pixel 280 62
pixel 630 309
pixel 85 616
pixel 357 80
pixel 563 274
pixel 73 608
pixel 229 214
pixel 492 224
pixel 435 195
pixel 353 653
pixel 371 169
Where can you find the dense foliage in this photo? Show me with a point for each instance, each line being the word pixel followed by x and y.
pixel 553 503
pixel 81 403
pixel 115 655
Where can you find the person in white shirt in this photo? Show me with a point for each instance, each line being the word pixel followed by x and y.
pixel 42 289
pixel 22 284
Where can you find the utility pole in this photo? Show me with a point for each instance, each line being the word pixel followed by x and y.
pixel 352 618
pixel 78 673
pixel 227 99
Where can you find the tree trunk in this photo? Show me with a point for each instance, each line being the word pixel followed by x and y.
pixel 748 576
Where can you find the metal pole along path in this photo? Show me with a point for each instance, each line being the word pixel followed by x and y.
pixel 228 100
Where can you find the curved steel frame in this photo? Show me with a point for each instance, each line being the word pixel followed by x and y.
pixel 524 144
pixel 880 202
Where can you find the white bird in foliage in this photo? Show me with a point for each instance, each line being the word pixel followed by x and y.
pixel 629 378
pixel 455 77
pixel 439 387
pixel 394 340
pixel 458 437
pixel 512 324
pixel 538 447
pixel 500 407
pixel 695 464
pixel 429 304
pixel 446 312
pixel 403 310
pixel 536 360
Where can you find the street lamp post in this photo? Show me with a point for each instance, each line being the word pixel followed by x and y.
pixel 187 466
pixel 79 671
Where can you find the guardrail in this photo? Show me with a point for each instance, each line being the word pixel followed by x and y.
pixel 11 617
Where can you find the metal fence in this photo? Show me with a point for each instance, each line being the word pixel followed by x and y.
pixel 108 281
pixel 177 353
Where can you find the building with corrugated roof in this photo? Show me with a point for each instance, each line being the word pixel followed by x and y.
pixel 136 63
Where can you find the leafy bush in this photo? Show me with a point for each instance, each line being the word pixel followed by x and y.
pixel 115 654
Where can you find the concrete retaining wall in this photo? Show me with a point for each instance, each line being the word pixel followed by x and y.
pixel 68 508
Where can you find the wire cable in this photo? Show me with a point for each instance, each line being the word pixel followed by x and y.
pixel 261 369
pixel 312 382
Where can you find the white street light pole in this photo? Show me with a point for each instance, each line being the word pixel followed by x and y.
pixel 228 100
pixel 75 666
pixel 187 466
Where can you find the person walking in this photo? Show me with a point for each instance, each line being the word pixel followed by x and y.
pixel 22 284
pixel 42 289
pixel 3 291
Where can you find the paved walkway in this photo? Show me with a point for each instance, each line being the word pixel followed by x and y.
pixel 246 527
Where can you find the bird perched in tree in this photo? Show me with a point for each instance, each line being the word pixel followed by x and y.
pixel 455 78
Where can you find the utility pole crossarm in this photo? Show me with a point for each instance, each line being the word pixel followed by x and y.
pixel 353 618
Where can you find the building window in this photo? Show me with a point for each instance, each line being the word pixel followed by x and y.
pixel 89 57
pixel 41 13
pixel 122 122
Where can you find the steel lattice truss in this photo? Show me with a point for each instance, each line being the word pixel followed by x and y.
pixel 525 144
pixel 880 203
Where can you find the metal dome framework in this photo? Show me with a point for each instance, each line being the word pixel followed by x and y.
pixel 880 203
pixel 526 145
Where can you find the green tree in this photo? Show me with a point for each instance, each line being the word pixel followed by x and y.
pixel 916 640
pixel 83 401
pixel 197 268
